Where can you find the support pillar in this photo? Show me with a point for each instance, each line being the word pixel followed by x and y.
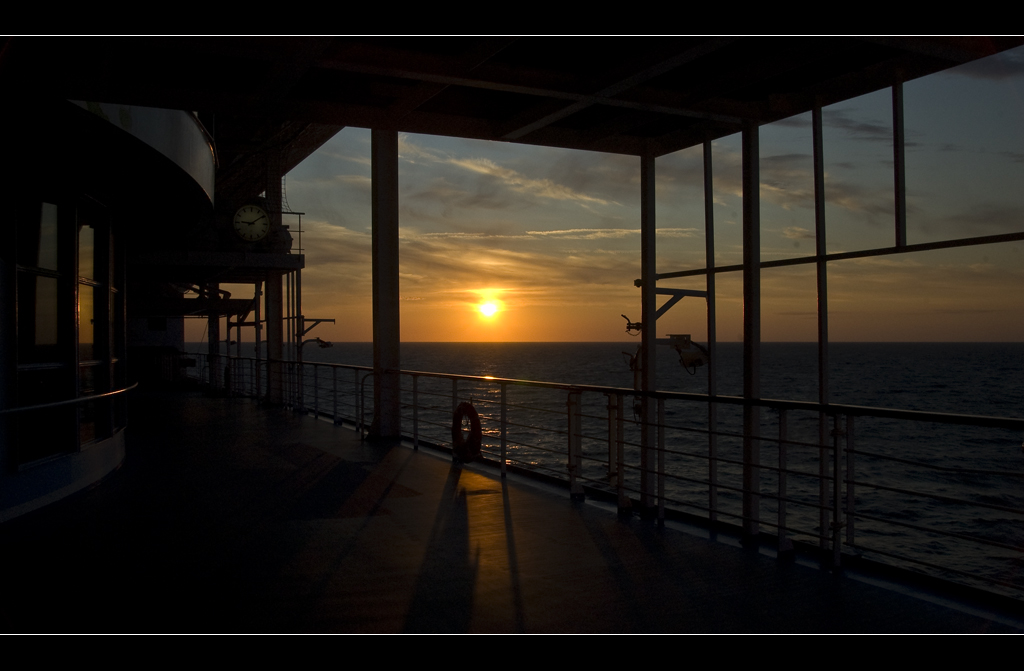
pixel 649 334
pixel 213 340
pixel 751 330
pixel 899 165
pixel 709 257
pixel 275 338
pixel 386 334
pixel 824 427
pixel 274 295
pixel 258 334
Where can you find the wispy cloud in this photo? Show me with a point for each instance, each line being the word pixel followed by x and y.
pixel 542 188
pixel 549 272
pixel 983 220
pixel 602 233
pixel 509 178
pixel 858 129
pixel 875 205
pixel 797 233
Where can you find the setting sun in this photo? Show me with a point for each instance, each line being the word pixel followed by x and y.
pixel 488 309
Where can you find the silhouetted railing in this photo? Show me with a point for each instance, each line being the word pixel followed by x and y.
pixel 913 487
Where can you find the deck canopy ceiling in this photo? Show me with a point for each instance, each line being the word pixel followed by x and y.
pixel 621 95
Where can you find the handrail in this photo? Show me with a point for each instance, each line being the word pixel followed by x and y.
pixel 771 403
pixel 71 401
pixel 775 404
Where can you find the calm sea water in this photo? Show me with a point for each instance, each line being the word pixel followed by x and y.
pixel 963 378
pixel 936 497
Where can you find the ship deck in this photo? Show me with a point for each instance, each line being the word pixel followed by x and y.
pixel 230 517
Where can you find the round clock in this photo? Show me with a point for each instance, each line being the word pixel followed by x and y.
pixel 251 223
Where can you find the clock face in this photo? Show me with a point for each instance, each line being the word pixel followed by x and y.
pixel 251 223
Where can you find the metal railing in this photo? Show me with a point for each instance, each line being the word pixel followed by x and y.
pixel 71 401
pixel 850 481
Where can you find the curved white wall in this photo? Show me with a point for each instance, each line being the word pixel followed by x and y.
pixel 174 133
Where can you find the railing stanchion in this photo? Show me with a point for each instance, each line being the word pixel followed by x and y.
pixel 356 401
pixel 823 433
pixel 620 446
pixel 661 461
pixel 836 492
pixel 415 413
pixel 359 422
pixel 712 462
pixel 334 394
pixel 504 429
pixel 455 395
pixel 785 545
pixel 612 423
pixel 316 391
pixel 850 501
pixel 575 446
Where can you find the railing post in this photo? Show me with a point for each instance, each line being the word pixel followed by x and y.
pixel 661 461
pixel 575 445
pixel 850 502
pixel 334 394
pixel 620 446
pixel 836 526
pixel 356 400
pixel 712 462
pixel 504 428
pixel 316 390
pixel 785 545
pixel 455 395
pixel 415 413
pixel 612 423
pixel 360 403
pixel 823 479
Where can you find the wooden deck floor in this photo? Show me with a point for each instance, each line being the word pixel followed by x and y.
pixel 229 517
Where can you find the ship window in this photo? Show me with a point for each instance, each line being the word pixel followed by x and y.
pixel 87 322
pixel 86 250
pixel 38 323
pixel 38 239
pixel 69 323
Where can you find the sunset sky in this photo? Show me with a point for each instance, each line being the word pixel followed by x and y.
pixel 551 237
